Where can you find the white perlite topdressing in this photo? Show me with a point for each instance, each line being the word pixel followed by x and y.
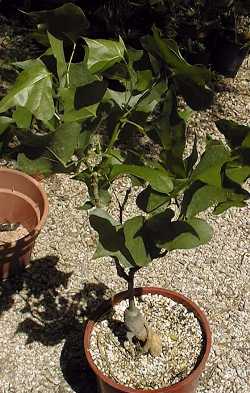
pixel 182 342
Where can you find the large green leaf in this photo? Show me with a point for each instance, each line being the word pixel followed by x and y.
pixel 79 75
pixel 227 205
pixel 192 81
pixel 81 114
pixel 121 98
pixel 32 90
pixel 233 132
pixel 237 172
pixel 65 141
pixel 186 234
pixel 150 200
pixel 148 102
pixel 209 168
pixel 133 232
pixel 58 52
pixel 111 238
pixel 158 179
pixel 103 54
pixel 202 197
pixel 39 166
pixel 73 112
pixel 4 123
pixel 65 22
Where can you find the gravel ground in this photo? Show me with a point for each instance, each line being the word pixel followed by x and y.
pixel 42 312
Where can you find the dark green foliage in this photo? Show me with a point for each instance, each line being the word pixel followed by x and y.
pixel 82 103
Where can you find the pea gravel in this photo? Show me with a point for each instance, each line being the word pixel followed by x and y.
pixel 42 312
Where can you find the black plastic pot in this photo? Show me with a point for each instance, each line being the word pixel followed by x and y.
pixel 227 57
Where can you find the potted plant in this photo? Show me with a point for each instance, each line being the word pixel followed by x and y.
pixel 83 123
pixel 177 190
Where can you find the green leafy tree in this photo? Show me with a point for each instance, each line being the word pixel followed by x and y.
pixel 71 116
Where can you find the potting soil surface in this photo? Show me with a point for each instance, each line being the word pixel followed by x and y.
pixel 13 235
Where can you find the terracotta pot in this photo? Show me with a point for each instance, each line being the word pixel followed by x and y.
pixel 22 200
pixel 188 384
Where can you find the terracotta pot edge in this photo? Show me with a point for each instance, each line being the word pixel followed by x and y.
pixel 39 187
pixel 168 293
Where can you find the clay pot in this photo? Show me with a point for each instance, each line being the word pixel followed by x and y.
pixel 22 200
pixel 188 384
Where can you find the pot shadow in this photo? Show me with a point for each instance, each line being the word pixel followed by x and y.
pixel 74 365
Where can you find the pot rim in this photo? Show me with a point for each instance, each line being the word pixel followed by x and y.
pixel 36 183
pixel 8 247
pixel 179 298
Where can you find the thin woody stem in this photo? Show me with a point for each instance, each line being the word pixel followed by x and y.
pixel 131 287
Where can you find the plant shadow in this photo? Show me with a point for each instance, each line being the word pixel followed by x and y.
pixel 53 314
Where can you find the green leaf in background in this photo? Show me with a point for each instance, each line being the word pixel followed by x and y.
pixel 65 142
pixel 32 90
pixel 158 179
pixel 22 117
pixel 65 22
pixel 4 123
pixel 134 241
pixel 209 168
pixel 170 127
pixel 187 234
pixel 103 54
pixel 192 81
pixel 39 166
pixel 150 200
pixel 58 52
pixel 234 133
pixel 144 80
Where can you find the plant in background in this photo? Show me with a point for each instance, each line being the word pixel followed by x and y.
pixel 81 85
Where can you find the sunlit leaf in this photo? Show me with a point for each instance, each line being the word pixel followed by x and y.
pixel 103 54
pixel 158 179
pixel 32 90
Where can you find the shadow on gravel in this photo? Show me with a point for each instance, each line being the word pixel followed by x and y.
pixel 52 314
pixel 41 276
